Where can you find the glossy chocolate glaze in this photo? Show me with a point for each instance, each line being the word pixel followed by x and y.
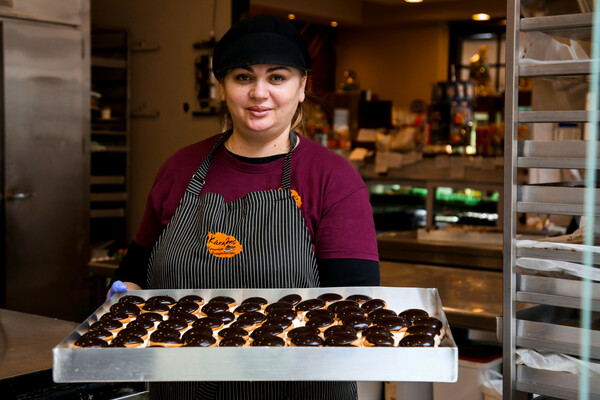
pixel 233 341
pixel 193 298
pixel 431 322
pixel 137 300
pixel 359 298
pixel 247 307
pixel 286 313
pixel 107 324
pixel 197 331
pixel 342 304
pixel 293 299
pixel 309 305
pixel 320 321
pixel 340 339
pixel 247 325
pixel 380 340
pixel 278 321
pixel 392 323
pixel 127 341
pixel 210 322
pixel 99 334
pixel 413 313
pixel 256 300
pixel 373 304
pixel 302 330
pixel 351 312
pixel 187 307
pixel 166 336
pixel 266 330
pixel 127 308
pixel 225 316
pixel 173 323
pixel 276 305
pixel 166 300
pixel 188 318
pixel 156 307
pixel 356 323
pixel 90 342
pixel 214 307
pixel 150 316
pixel 232 331
pixel 417 340
pixel 422 330
pixel 200 341
pixel 377 330
pixel 330 297
pixel 230 301
pixel 271 341
pixel 381 313
pixel 321 312
pixel 132 330
pixel 141 323
pixel 307 340
pixel 339 330
pixel 117 316
pixel 254 317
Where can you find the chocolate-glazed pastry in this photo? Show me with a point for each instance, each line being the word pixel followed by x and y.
pixel 233 331
pixel 197 331
pixel 117 316
pixel 189 318
pixel 200 341
pixel 98 334
pixel 141 323
pixel 340 305
pixel 189 307
pixel 307 340
pixel 292 299
pixel 225 316
pixel 379 340
pixel 127 341
pixel 110 325
pixel 214 307
pixel 156 307
pixel 256 300
pixel 351 312
pixel 133 330
pixel 421 330
pixel 309 305
pixel 381 313
pixel 127 308
pixel 417 341
pixel 233 341
pixel 356 323
pixel 230 301
pixel 150 316
pixel 412 314
pixel 246 307
pixel 377 330
pixel 173 323
pixel 339 330
pixel 247 325
pixel 359 298
pixel 321 312
pixel 393 324
pixel 271 341
pixel 286 313
pixel 373 304
pixel 193 298
pixel 166 300
pixel 165 337
pixel 210 322
pixel 272 330
pixel 137 300
pixel 320 322
pixel 431 322
pixel 90 342
pixel 279 304
pixel 281 322
pixel 330 297
pixel 302 330
pixel 254 317
pixel 341 339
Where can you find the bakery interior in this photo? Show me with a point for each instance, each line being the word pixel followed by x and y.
pixel 413 94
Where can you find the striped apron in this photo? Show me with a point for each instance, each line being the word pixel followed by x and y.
pixel 258 241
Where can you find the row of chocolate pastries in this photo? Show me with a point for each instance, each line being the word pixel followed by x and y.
pixel 329 320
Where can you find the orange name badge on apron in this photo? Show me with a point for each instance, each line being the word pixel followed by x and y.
pixel 222 245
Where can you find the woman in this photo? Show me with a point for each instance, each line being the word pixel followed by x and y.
pixel 264 208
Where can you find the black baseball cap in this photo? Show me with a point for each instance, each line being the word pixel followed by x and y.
pixel 261 39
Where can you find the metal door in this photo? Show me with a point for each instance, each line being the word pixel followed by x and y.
pixel 45 186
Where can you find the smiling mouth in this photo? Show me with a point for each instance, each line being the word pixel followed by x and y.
pixel 258 111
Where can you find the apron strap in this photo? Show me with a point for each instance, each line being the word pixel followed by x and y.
pixel 198 179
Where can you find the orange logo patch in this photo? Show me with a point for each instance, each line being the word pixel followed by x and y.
pixel 222 245
pixel 296 196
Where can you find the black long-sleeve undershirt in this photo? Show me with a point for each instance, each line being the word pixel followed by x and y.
pixel 333 272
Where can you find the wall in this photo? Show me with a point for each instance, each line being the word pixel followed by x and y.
pixel 163 80
pixel 396 63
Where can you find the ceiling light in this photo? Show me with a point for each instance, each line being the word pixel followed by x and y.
pixel 334 24
pixel 480 17
pixel 291 16
pixel 413 1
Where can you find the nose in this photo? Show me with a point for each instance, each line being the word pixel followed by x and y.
pixel 259 89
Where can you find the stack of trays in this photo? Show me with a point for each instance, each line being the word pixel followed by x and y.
pixel 148 363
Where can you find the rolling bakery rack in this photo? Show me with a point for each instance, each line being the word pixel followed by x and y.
pixel 560 320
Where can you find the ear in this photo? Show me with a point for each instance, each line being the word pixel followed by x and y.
pixel 222 90
pixel 302 94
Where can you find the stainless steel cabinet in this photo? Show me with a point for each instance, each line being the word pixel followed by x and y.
pixel 561 319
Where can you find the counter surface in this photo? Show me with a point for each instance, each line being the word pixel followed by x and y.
pixel 26 342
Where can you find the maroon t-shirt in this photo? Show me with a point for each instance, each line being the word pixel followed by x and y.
pixel 333 198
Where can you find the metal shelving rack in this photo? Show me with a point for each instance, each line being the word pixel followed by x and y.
pixel 552 324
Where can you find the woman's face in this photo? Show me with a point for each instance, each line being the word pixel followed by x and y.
pixel 263 98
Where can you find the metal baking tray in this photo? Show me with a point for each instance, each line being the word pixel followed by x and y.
pixel 438 364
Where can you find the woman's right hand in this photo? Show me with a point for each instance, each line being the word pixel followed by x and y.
pixel 120 287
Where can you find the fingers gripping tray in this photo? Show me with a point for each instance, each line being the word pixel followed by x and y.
pixel 262 363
